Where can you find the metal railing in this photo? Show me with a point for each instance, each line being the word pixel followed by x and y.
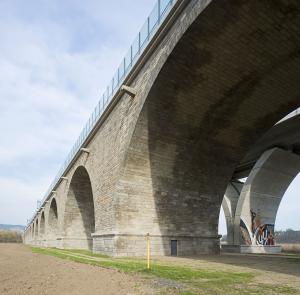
pixel 158 14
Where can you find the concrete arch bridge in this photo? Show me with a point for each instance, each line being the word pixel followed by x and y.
pixel 213 78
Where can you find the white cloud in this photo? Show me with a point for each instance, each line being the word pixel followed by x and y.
pixel 55 60
pixel 18 198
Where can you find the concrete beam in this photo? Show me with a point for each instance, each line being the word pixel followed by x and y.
pixel 85 150
pixel 129 90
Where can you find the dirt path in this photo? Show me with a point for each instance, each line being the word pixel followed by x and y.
pixel 23 272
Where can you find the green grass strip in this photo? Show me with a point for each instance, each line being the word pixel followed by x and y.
pixel 196 280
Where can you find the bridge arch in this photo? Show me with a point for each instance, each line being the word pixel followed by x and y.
pixel 79 215
pixel 52 226
pixel 42 225
pixel 261 196
pixel 217 92
pixel 229 205
pixel 32 232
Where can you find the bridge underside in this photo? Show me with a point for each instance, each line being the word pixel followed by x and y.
pixel 232 75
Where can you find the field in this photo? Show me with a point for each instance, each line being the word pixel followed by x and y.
pixel 25 270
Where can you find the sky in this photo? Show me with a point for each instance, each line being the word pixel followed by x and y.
pixel 56 58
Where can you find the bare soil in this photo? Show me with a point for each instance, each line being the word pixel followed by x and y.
pixel 23 272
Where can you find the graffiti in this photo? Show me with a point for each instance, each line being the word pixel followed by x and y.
pixel 262 234
pixel 245 237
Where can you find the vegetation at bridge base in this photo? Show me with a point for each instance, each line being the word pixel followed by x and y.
pixel 188 281
pixel 7 236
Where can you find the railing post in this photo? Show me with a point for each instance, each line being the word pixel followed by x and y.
pixel 139 42
pixel 148 21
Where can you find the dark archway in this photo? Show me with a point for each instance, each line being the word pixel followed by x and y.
pixel 36 234
pixel 261 196
pixel 79 216
pixel 34 231
pixel 52 229
pixel 42 225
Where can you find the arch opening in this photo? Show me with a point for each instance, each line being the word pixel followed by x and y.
pixel 42 225
pixel 52 229
pixel 269 179
pixel 31 234
pixel 79 216
pixel 222 226
pixel 288 211
pixel 266 171
pixel 36 229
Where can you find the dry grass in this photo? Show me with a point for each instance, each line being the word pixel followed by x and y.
pixel 10 237
pixel 291 248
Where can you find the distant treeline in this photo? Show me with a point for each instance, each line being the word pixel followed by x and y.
pixel 287 236
pixel 10 236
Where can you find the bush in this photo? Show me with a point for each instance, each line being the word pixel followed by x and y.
pixel 10 237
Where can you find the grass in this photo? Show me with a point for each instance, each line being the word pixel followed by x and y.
pixel 85 252
pixel 192 281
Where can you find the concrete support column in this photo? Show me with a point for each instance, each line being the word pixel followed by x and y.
pixel 229 205
pixel 261 195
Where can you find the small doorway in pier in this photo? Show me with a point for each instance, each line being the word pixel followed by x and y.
pixel 173 247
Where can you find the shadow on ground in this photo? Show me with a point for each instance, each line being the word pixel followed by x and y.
pixel 282 263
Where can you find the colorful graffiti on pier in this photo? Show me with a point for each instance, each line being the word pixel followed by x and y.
pixel 262 234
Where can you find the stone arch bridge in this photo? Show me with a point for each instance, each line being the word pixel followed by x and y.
pixel 213 78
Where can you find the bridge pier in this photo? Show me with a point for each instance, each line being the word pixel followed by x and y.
pixel 260 199
pixel 135 245
pixel 229 205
